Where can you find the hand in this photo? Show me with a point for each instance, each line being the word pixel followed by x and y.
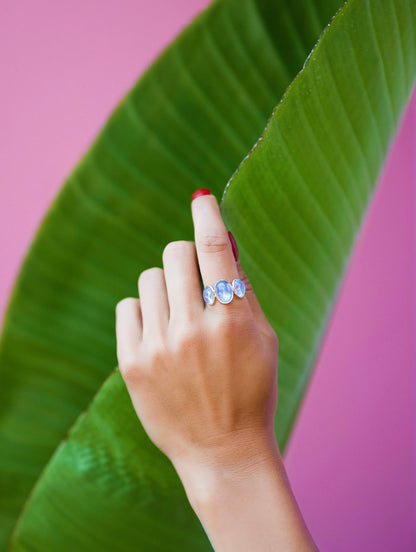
pixel 203 379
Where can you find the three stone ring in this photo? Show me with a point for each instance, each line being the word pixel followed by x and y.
pixel 224 291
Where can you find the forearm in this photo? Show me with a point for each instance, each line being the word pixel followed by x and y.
pixel 247 506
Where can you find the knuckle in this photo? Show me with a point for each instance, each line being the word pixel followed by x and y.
pixel 239 323
pixel 157 352
pixel 214 242
pixel 129 367
pixel 246 327
pixel 186 339
pixel 225 326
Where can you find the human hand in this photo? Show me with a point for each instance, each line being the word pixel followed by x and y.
pixel 202 378
pixel 203 381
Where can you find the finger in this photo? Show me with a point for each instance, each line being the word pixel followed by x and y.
pixel 252 299
pixel 129 328
pixel 154 302
pixel 180 265
pixel 213 246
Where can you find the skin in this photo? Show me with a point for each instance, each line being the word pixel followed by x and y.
pixel 203 381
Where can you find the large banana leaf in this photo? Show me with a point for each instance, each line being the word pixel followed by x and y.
pixel 187 123
pixel 295 206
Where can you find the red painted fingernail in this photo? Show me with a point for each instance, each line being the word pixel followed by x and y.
pixel 201 192
pixel 233 245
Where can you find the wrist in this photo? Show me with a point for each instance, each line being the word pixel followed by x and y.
pixel 205 474
pixel 245 502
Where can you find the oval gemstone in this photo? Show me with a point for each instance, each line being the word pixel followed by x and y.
pixel 224 291
pixel 208 295
pixel 239 287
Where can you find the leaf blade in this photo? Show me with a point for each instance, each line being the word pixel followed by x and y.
pixel 113 159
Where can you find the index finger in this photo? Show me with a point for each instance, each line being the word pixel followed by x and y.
pixel 213 246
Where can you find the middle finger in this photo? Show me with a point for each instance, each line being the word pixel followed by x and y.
pixel 214 250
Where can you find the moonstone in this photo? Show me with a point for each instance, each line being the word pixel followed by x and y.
pixel 224 291
pixel 208 295
pixel 239 287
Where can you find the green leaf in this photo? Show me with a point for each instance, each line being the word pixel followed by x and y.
pixel 109 488
pixel 187 123
pixel 307 183
pixel 295 206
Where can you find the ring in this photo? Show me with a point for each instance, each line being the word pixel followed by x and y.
pixel 224 291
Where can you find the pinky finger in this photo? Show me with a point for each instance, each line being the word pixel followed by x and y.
pixel 129 329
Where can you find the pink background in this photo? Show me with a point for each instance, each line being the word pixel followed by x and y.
pixel 351 458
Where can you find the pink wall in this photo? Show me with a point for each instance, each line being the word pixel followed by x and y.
pixel 350 458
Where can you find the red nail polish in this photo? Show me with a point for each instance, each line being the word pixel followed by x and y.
pixel 201 192
pixel 233 245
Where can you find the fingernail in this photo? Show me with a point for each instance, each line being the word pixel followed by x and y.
pixel 233 245
pixel 201 192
